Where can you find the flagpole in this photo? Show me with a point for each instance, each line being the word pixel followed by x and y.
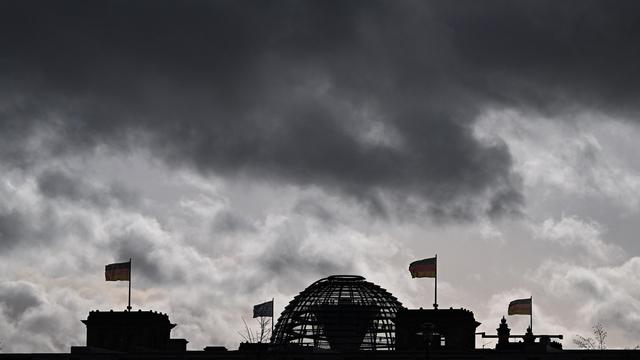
pixel 435 295
pixel 273 305
pixel 531 314
pixel 129 306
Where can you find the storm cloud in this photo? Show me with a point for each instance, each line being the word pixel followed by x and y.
pixel 236 149
pixel 372 99
pixel 17 298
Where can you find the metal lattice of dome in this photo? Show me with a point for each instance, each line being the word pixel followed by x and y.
pixel 340 312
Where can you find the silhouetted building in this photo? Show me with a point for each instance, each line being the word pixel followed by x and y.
pixel 446 329
pixel 131 331
pixel 528 340
pixel 334 318
pixel 342 313
pixel 503 334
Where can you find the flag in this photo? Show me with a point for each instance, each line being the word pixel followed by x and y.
pixel 118 271
pixel 424 268
pixel 264 309
pixel 520 307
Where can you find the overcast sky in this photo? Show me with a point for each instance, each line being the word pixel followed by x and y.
pixel 241 150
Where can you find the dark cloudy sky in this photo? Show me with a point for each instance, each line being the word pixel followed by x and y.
pixel 240 150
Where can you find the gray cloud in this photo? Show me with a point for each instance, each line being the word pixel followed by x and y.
pixel 287 256
pixel 18 297
pixel 294 92
pixel 549 56
pixel 598 294
pixel 312 207
pixel 13 227
pixel 61 185
pixel 147 251
pixel 28 226
pixel 228 222
pixel 31 317
pixel 37 209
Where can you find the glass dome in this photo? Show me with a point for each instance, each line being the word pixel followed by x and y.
pixel 340 312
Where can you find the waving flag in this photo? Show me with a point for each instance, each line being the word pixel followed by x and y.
pixel 520 307
pixel 264 309
pixel 424 268
pixel 118 271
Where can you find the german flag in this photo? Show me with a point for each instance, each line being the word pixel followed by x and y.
pixel 118 271
pixel 520 307
pixel 424 268
pixel 264 309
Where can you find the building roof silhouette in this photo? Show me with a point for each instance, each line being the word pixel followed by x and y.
pixel 131 331
pixel 335 318
pixel 340 312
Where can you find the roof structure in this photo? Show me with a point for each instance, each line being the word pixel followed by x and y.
pixel 340 312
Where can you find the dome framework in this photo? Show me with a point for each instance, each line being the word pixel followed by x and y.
pixel 340 312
